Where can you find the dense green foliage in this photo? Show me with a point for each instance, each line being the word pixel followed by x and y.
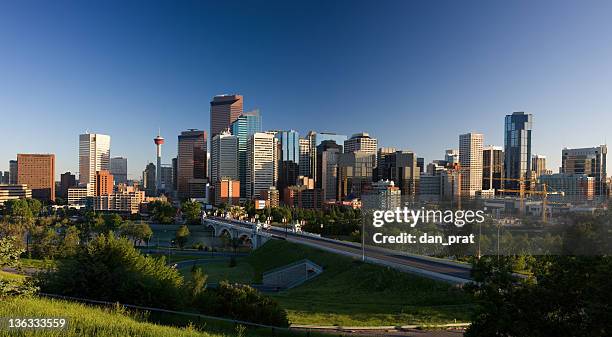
pixel 110 269
pixel 191 211
pixel 564 296
pixel 243 303
pixel 182 236
pixel 162 211
pixel 138 232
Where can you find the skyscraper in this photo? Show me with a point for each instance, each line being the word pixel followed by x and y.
pixel 538 165
pixel 328 153
pixel 104 183
pixel 260 163
pixel 361 142
pixel 354 173
pixel 517 150
pixel 590 161
pixel 288 158
pixel 224 110
pixel 118 168
pixel 149 180
pixel 94 155
pixel 224 157
pixel 67 180
pixel 401 167
pixel 380 159
pixel 159 141
pixel 315 139
pixel 244 127
pixel 38 172
pixel 304 157
pixel 13 172
pixel 191 164
pixel 470 158
pixel 167 184
pixel 492 167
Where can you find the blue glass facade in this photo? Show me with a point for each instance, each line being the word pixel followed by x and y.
pixel 517 147
pixel 289 158
pixel 246 125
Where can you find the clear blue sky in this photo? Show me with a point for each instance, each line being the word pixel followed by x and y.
pixel 414 74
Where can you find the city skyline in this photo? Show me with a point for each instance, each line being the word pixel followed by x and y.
pixel 307 71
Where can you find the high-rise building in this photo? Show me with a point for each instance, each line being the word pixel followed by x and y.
pixel 380 159
pixel 159 141
pixel 315 139
pixel 12 172
pixel 590 161
pixel 67 180
pixel 288 158
pixel 576 188
pixel 224 157
pixel 361 142
pixel 354 173
pixel 328 153
pixel 118 168
pixel 470 158
pixel 104 183
pixel 451 156
pixel 174 173
pixel 244 127
pixel 401 168
pixel 384 195
pixel 492 167
pixel 191 164
pixel 94 156
pixel 304 157
pixel 421 164
pixel 149 180
pixel 167 184
pixel 260 163
pixel 38 172
pixel 517 150
pixel 224 110
pixel 538 165
pixel 5 177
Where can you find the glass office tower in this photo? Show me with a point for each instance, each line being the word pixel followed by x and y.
pixel 517 149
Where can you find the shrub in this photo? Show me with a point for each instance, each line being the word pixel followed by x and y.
pixel 241 302
pixel 111 269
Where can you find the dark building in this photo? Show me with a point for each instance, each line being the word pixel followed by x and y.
pixel 67 180
pixel 421 164
pixel 401 168
pixel 224 110
pixel 517 149
pixel 191 164
pixel 492 167
pixel 289 158
pixel 354 173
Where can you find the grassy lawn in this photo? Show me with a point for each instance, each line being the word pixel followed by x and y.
pixel 218 270
pixel 10 276
pixel 353 293
pixel 37 263
pixel 85 320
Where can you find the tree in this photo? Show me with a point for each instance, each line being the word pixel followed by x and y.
pixel 109 268
pixel 565 296
pixel 192 211
pixel 9 252
pixel 70 243
pixel 162 211
pixel 198 281
pixel 46 242
pixel 112 221
pixel 182 235
pixel 17 209
pixel 138 232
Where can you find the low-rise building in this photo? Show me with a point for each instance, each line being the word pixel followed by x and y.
pixel 384 195
pixel 14 191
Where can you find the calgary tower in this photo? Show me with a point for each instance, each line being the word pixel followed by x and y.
pixel 159 140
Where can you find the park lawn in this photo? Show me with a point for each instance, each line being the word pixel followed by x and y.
pixel 6 276
pixel 352 293
pixel 218 270
pixel 84 320
pixel 37 263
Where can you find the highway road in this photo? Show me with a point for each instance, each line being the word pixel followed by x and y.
pixel 426 266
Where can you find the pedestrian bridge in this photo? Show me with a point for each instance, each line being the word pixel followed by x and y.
pixel 246 231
